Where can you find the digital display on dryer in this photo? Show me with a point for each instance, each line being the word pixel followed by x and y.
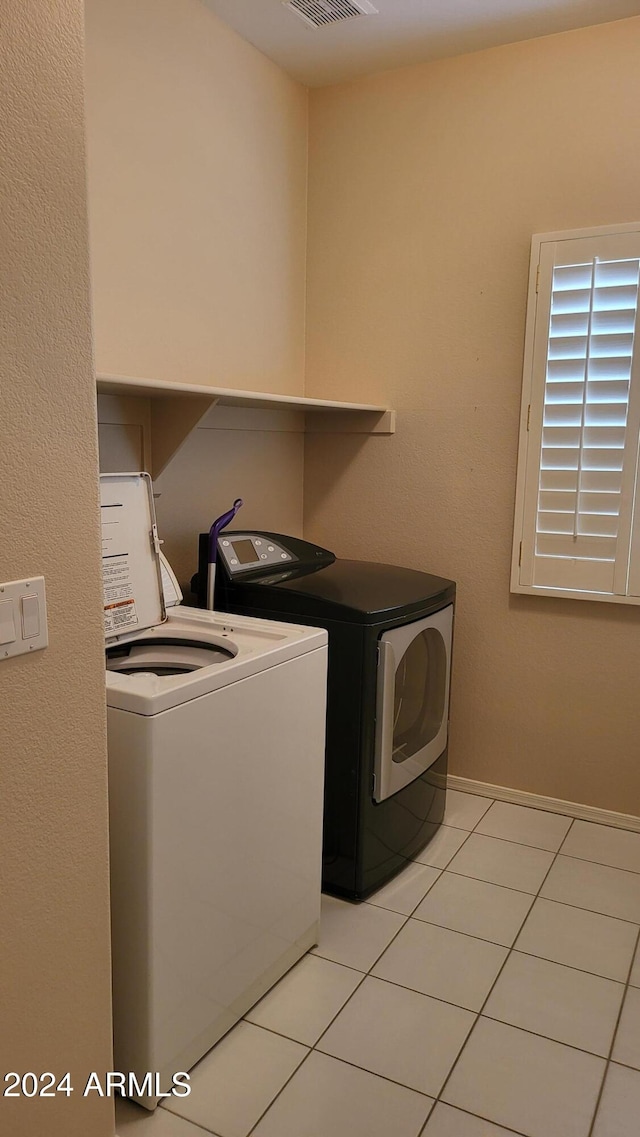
pixel 245 552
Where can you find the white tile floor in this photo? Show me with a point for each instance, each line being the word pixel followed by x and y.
pixel 490 990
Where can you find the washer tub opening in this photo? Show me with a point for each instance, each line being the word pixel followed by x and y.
pixel 165 656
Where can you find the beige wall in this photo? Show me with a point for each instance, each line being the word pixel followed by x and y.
pixel 264 465
pixel 255 455
pixel 55 975
pixel 426 185
pixel 197 201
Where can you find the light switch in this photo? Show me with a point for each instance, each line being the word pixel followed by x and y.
pixel 23 617
pixel 30 616
pixel 7 622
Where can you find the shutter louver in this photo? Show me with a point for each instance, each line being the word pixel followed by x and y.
pixel 586 399
pixel 577 529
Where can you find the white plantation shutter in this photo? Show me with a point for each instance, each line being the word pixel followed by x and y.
pixel 578 466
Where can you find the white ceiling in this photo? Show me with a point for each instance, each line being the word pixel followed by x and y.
pixel 404 31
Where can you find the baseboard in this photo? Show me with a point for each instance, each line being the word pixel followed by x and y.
pixel 551 804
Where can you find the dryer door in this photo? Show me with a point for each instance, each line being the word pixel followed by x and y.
pixel 412 713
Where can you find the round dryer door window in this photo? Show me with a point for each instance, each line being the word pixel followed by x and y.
pixel 412 708
pixel 420 694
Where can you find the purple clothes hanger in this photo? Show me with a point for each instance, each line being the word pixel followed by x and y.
pixel 219 524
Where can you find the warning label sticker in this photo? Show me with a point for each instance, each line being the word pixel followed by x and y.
pixel 119 596
pixel 120 616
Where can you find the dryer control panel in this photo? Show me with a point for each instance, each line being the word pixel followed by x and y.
pixel 245 555
pixel 241 552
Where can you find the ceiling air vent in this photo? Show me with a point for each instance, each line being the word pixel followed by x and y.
pixel 317 13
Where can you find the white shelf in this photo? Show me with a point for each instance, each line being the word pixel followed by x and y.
pixel 227 397
pixel 178 408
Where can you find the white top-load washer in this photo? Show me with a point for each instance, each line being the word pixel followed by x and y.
pixel 216 760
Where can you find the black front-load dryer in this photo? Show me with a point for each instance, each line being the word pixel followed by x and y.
pixel 390 640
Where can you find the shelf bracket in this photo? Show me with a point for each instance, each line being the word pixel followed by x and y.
pixel 350 422
pixel 172 420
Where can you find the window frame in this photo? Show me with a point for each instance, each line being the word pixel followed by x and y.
pixel 522 531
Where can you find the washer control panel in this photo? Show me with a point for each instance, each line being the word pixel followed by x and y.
pixel 244 551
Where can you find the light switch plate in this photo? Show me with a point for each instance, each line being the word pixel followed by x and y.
pixel 30 621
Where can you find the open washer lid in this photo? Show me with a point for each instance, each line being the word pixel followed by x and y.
pixel 131 569
pixel 138 587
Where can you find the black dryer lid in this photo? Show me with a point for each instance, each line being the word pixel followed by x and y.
pixel 354 591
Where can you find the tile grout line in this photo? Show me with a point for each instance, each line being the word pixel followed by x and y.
pixel 496 943
pixel 186 1120
pixel 414 861
pixel 438 1097
pixel 446 868
pixel 280 1091
pixel 613 1038
pixel 488 996
pixel 523 844
pixel 546 809
pixel 446 1003
pixel 524 1029
pixel 467 1113
pixel 383 907
pixel 435 868
pixel 364 1070
pixel 338 1012
pixel 321 1036
pixel 542 849
pixel 510 950
pixel 309 1049
pixel 570 967
pixel 345 1004
pixel 565 838
pixel 625 1065
pixel 552 899
pixel 593 911
pixel 478 1015
pixel 600 864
